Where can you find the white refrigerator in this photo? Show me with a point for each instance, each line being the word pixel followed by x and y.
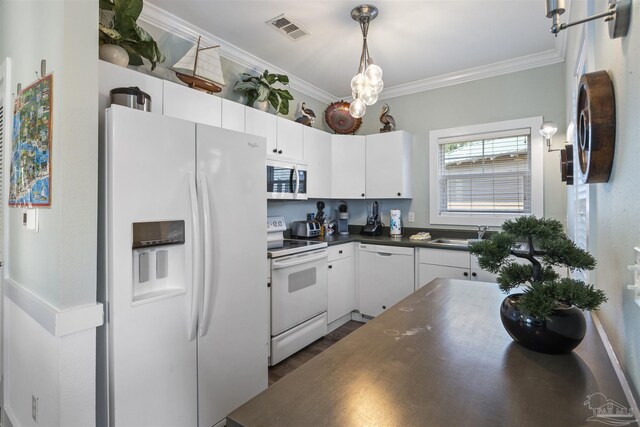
pixel 185 289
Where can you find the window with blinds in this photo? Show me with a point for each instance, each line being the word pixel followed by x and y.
pixel 489 173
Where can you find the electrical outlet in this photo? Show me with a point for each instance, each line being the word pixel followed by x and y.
pixel 30 219
pixel 636 276
pixel 34 408
pixel 412 217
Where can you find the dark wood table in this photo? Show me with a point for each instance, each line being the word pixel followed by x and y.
pixel 440 357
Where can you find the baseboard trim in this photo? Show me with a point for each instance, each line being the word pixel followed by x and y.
pixel 633 405
pixel 57 322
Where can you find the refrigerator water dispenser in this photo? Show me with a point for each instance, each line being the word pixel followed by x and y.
pixel 158 256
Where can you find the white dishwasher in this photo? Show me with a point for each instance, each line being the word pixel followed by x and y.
pixel 385 276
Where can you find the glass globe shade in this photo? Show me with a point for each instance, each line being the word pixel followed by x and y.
pixel 548 129
pixel 357 83
pixel 357 108
pixel 369 97
pixel 373 73
pixel 378 87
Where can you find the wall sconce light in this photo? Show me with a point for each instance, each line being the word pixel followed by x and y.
pixel 618 16
pixel 548 129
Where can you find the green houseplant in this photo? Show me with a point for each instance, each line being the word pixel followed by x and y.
pixel 537 318
pixel 118 27
pixel 261 88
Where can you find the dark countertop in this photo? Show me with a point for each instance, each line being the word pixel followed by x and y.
pixel 385 239
pixel 440 357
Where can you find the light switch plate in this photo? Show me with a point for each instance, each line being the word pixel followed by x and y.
pixel 30 219
pixel 636 276
pixel 412 217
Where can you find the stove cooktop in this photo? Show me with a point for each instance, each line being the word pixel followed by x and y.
pixel 278 248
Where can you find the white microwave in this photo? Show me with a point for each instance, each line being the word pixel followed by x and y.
pixel 286 179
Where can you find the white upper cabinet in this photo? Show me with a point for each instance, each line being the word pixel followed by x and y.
pixel 289 138
pixel 262 124
pixel 348 167
pixel 388 165
pixel 185 103
pixel 112 76
pixel 317 155
pixel 233 115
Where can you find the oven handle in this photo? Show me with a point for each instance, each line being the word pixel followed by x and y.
pixel 298 260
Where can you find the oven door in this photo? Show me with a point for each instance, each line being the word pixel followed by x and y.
pixel 298 289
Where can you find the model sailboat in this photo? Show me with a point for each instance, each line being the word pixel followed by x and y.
pixel 204 64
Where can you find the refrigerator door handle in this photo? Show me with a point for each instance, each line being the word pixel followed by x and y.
pixel 196 259
pixel 209 256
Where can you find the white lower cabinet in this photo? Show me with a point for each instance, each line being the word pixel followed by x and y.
pixel 341 281
pixel 385 276
pixel 449 264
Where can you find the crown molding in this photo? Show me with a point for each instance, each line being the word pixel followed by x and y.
pixel 170 23
pixel 477 73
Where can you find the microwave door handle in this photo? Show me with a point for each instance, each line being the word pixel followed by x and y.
pixel 295 170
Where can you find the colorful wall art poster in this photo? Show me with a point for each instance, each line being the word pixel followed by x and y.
pixel 30 174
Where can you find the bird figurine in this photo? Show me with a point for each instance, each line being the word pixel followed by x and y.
pixel 308 116
pixel 387 120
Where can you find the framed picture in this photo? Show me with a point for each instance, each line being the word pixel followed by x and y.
pixel 30 173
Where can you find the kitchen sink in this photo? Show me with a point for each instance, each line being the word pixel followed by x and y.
pixel 451 242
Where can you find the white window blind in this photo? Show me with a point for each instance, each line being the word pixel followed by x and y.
pixel 485 173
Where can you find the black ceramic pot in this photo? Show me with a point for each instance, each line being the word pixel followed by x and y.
pixel 564 330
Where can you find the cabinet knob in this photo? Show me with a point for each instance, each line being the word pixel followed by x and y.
pixel 275 150
pixel 399 194
pixel 340 251
pixel 279 151
pixel 474 274
pixel 331 266
pixel 362 194
pixel 384 307
pixel 466 273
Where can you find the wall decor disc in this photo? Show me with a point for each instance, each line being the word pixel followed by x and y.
pixel 340 120
pixel 566 164
pixel 596 127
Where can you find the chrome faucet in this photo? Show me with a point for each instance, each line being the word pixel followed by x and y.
pixel 481 230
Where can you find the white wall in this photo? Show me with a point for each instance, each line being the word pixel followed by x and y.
pixel 535 92
pixel 53 272
pixel 615 205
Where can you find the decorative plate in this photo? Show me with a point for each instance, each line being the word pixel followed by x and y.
pixel 338 118
pixel 596 120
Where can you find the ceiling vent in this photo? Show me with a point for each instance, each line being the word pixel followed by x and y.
pixel 287 27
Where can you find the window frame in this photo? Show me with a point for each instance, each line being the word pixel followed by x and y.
pixel 482 218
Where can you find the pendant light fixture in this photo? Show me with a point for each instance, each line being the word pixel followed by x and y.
pixel 367 83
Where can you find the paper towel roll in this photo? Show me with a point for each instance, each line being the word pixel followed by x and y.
pixel 395 222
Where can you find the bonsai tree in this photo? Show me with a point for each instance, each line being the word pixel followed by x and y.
pixel 118 26
pixel 543 243
pixel 260 88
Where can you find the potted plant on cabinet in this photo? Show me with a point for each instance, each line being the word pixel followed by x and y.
pixel 547 316
pixel 122 41
pixel 261 89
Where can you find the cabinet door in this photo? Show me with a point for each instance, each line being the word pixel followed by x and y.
pixel 185 103
pixel 429 272
pixel 289 137
pixel 262 124
pixel 347 167
pixel 341 288
pixel 232 115
pixel 383 280
pixel 317 155
pixel 388 165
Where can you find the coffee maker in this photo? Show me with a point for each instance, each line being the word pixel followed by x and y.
pixel 373 227
pixel 343 218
